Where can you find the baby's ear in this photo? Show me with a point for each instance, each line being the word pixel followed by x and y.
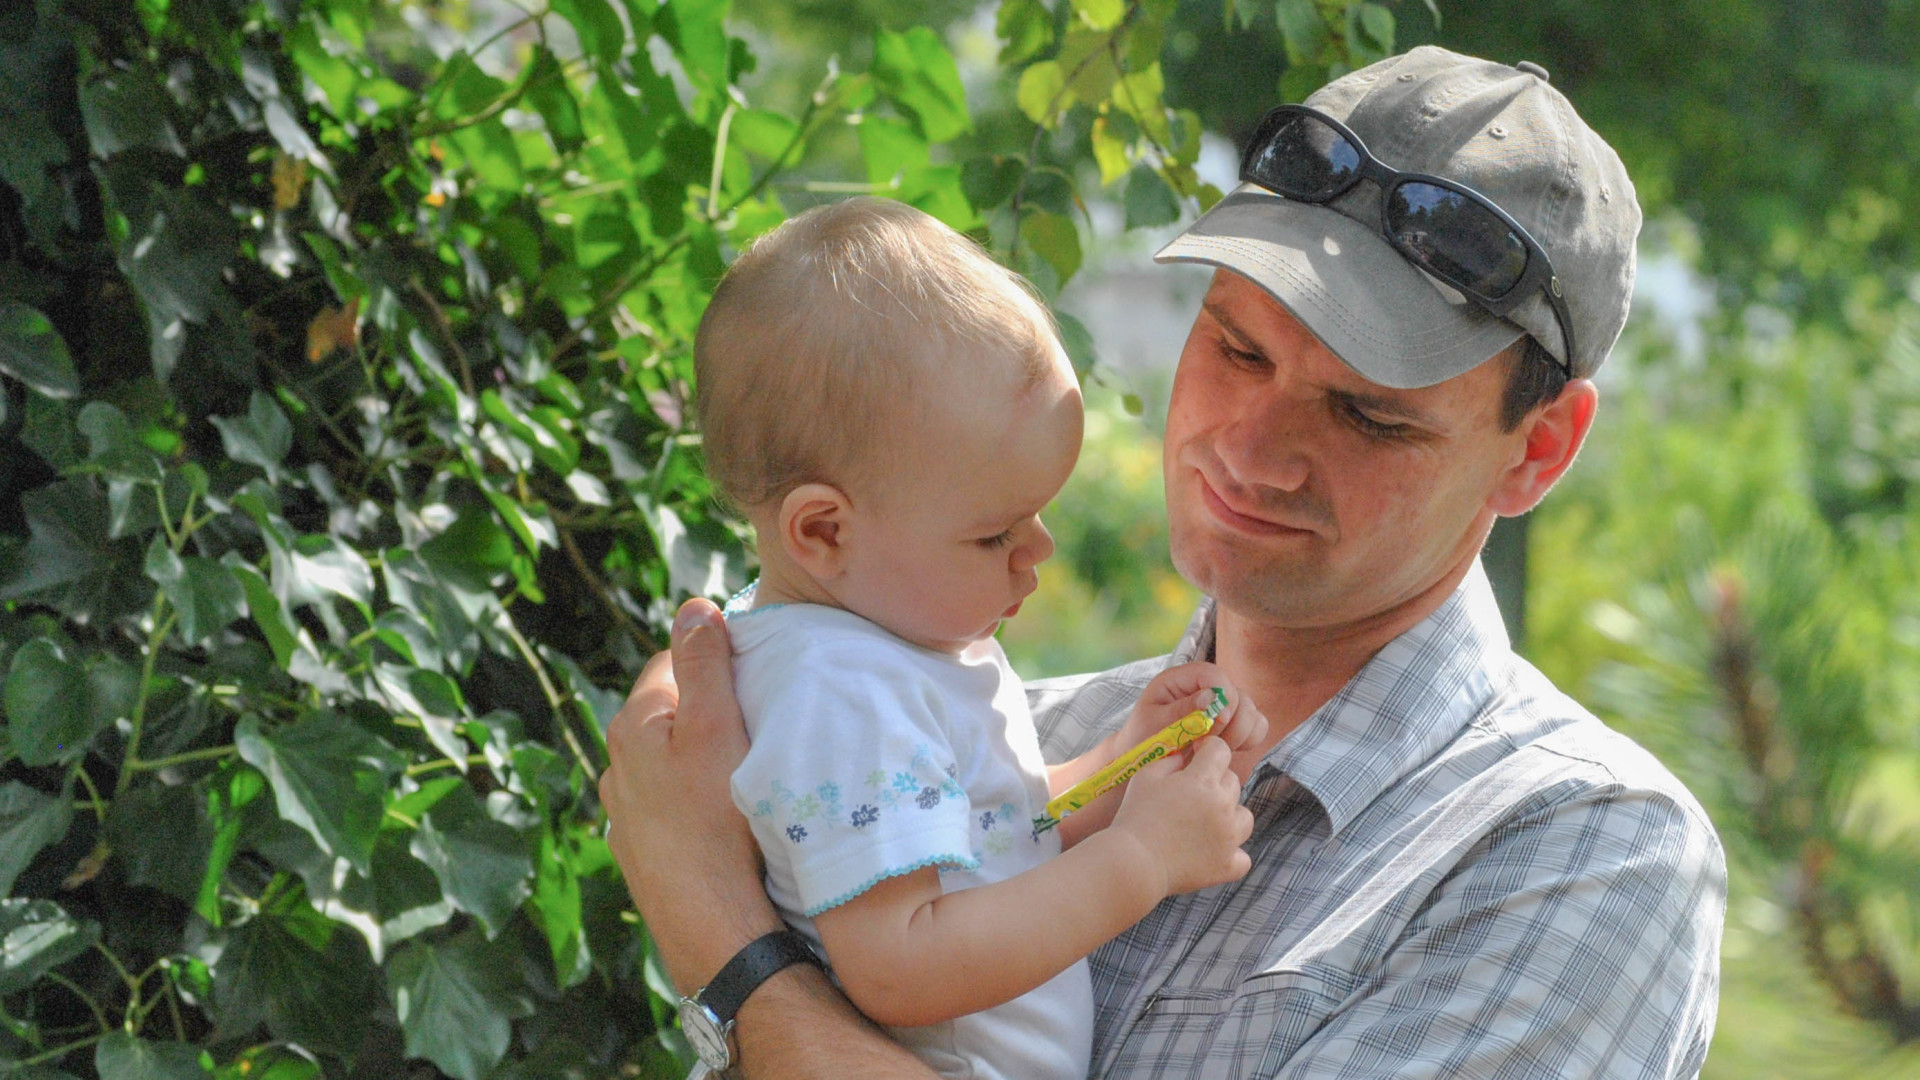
pixel 814 520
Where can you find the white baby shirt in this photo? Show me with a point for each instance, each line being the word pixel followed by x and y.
pixel 872 757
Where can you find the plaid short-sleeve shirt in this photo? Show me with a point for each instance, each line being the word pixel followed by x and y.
pixel 1457 872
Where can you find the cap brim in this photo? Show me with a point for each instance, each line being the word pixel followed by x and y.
pixel 1375 310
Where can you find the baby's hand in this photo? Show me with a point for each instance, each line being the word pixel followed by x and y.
pixel 1180 690
pixel 1188 819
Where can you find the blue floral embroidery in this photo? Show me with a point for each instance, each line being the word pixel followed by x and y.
pixel 1006 811
pixel 952 772
pixel 929 798
pixel 796 833
pixel 763 808
pixel 905 784
pixel 866 815
pixel 986 820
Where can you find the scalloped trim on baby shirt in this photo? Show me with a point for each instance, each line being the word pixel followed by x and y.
pixel 956 861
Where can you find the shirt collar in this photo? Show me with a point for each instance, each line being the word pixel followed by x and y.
pixel 1412 698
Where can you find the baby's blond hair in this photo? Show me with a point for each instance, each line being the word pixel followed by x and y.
pixel 827 329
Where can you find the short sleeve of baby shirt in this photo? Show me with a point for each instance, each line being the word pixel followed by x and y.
pixel 850 779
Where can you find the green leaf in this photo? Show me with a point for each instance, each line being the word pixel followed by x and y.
pixel 272 619
pixel 1100 14
pixel 1109 150
pixel 227 800
pixel 762 133
pixel 1042 93
pixel 1054 239
pixel 174 256
pixel 70 559
pixel 916 70
pixel 305 976
pixel 268 1063
pixel 124 1057
pixel 123 110
pixel 161 836
pixel 457 1002
pixel 1077 341
pixel 36 936
pixel 56 706
pixel 261 438
pixel 556 907
pixel 29 820
pixel 328 777
pixel 1027 28
pixel 482 864
pixel 1150 202
pixel 1377 22
pixel 697 32
pixel 205 594
pixel 598 27
pixel 1303 30
pixel 891 149
pixel 32 351
pixel 548 93
pixel 990 181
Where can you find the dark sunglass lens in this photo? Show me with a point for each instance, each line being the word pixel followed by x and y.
pixel 1302 158
pixel 1456 238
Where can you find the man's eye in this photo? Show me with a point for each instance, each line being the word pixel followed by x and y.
pixel 999 541
pixel 1375 428
pixel 1241 357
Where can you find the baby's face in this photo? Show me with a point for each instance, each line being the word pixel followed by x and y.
pixel 949 546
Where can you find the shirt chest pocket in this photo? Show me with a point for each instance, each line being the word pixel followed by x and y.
pixel 1246 1035
pixel 1272 1014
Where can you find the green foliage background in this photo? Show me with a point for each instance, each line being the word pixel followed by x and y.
pixel 347 478
pixel 345 475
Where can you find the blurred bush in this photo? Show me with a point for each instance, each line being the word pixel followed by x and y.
pixel 346 479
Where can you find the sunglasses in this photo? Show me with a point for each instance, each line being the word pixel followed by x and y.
pixel 1445 228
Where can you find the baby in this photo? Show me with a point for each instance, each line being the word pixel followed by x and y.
pixel 892 409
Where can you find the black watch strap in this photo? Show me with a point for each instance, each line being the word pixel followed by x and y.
pixel 752 966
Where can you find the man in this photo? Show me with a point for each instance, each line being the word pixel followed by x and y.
pixel 1457 871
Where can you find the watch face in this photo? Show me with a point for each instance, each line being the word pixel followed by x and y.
pixel 705 1032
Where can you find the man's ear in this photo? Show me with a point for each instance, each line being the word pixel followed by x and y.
pixel 1550 438
pixel 815 521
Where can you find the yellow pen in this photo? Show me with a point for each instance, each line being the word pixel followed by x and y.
pixel 1156 746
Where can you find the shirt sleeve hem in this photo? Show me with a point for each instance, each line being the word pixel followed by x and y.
pixel 959 862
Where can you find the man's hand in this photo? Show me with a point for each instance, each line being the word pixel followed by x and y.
pixel 687 854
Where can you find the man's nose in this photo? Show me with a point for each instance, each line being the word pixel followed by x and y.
pixel 1267 442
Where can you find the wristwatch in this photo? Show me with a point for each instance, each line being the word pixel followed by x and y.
pixel 706 1018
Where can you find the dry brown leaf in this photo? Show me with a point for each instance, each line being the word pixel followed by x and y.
pixel 333 328
pixel 289 180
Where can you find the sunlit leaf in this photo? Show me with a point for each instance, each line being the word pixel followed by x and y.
pixel 1027 28
pixel 915 69
pixel 261 438
pixel 328 777
pixel 36 936
pixel 483 865
pixel 204 594
pixel 32 351
pixel 456 1002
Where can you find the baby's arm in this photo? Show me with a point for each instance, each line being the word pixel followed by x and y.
pixel 1171 695
pixel 908 955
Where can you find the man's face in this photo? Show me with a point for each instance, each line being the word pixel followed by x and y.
pixel 1303 496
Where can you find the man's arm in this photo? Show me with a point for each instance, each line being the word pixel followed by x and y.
pixel 1581 941
pixel 690 862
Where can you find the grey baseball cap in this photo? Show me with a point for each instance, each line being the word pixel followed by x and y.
pixel 1502 131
